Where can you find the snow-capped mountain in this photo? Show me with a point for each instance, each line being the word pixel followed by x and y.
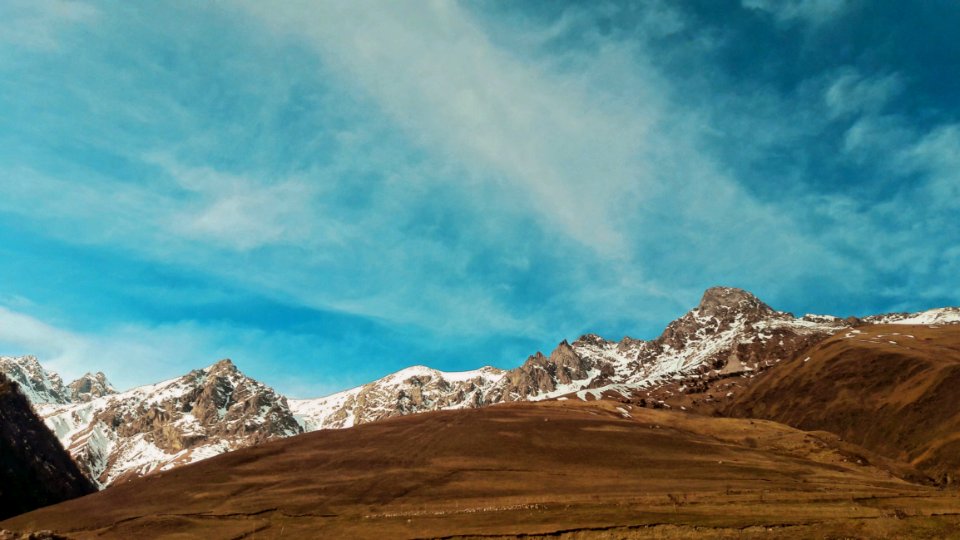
pixel 159 426
pixel 730 332
pixel 39 385
pixel 411 390
pixel 728 338
pixel 947 315
pixel 90 386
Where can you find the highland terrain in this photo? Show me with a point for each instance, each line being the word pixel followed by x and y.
pixel 737 421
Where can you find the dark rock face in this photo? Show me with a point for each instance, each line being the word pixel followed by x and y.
pixel 35 471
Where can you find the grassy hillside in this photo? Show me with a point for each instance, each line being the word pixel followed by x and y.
pixel 892 389
pixel 590 469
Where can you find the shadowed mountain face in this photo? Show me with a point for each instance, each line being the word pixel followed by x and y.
pixel 533 468
pixel 35 471
pixel 894 389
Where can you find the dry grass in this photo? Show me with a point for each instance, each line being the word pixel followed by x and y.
pixel 564 469
pixel 892 389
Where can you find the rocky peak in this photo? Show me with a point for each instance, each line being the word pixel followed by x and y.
pixel 589 339
pixel 39 385
pixel 721 302
pixel 90 386
pixel 201 414
pixel 222 367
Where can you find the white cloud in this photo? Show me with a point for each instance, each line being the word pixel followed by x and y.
pixel 568 147
pixel 237 212
pixel 853 93
pixel 936 155
pixel 814 12
pixel 128 355
pixel 37 24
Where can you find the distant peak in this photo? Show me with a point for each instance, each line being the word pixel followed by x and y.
pixel 26 360
pixel 223 365
pixel 723 299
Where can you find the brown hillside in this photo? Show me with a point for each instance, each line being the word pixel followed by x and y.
pixel 893 389
pixel 598 468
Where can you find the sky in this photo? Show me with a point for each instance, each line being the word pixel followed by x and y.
pixel 327 192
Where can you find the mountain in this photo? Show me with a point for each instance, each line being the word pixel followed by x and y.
pixel 947 315
pixel 555 469
pixel 35 471
pixel 160 426
pixel 411 390
pixel 730 333
pixel 44 387
pixel 37 384
pixel 89 387
pixel 701 361
pixel 894 389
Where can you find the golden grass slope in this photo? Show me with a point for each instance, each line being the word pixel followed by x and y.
pixel 564 469
pixel 893 389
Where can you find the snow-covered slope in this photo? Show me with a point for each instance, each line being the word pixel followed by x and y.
pixel 159 426
pixel 39 385
pixel 948 315
pixel 411 390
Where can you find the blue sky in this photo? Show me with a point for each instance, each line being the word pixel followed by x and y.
pixel 330 191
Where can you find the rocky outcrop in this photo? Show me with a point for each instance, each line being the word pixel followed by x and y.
pixel 201 414
pixel 408 391
pixel 35 471
pixel 37 384
pixel 545 374
pixel 90 386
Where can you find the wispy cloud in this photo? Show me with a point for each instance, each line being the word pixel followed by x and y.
pixel 460 175
pixel 36 24
pixel 808 11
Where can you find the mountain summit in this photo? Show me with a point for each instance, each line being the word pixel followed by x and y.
pixel 724 301
pixel 90 386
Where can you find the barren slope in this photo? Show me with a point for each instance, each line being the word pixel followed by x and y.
pixel 537 468
pixel 894 389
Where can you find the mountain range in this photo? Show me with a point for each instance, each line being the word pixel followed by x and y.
pixel 704 360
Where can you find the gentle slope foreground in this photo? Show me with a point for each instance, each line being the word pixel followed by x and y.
pixel 593 468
